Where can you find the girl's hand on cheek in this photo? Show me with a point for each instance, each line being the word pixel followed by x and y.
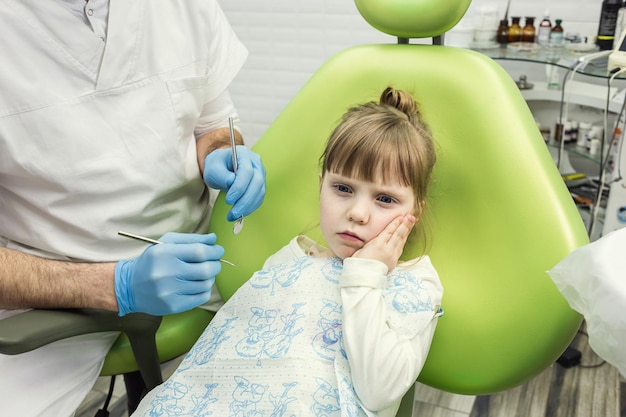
pixel 389 244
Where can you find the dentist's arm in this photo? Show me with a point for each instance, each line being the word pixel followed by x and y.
pixel 164 279
pixel 28 281
pixel 244 190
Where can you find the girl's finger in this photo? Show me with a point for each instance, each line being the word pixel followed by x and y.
pixel 392 228
pixel 405 226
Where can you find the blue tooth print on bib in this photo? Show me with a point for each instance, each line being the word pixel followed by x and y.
pixel 284 275
pixel 349 406
pixel 407 293
pixel 167 402
pixel 265 338
pixel 327 401
pixel 247 396
pixel 327 342
pixel 282 400
pixel 205 347
pixel 332 270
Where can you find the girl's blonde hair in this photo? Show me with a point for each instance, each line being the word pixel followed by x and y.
pixel 386 140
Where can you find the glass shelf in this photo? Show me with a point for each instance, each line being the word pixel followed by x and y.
pixel 573 149
pixel 564 57
pixel 581 170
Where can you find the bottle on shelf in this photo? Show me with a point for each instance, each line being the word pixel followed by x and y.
pixel 529 31
pixel 575 131
pixel 502 37
pixel 557 37
pixel 567 131
pixel 545 27
pixel 595 133
pixel 594 147
pixel 554 78
pixel 608 23
pixel 558 131
pixel 584 128
pixel 515 30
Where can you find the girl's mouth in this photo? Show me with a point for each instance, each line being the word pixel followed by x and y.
pixel 350 237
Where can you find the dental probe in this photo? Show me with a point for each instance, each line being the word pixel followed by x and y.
pixel 157 242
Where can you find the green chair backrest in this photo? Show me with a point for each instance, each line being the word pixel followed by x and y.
pixel 500 213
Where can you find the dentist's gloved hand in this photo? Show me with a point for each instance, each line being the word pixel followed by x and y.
pixel 246 189
pixel 169 278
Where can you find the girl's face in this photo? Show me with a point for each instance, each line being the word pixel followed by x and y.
pixel 353 212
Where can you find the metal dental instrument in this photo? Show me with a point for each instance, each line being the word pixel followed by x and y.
pixel 239 223
pixel 157 242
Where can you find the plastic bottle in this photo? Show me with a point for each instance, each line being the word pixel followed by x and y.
pixel 515 30
pixel 502 37
pixel 545 27
pixel 554 78
pixel 557 38
pixel 575 131
pixel 529 31
pixel 584 129
pixel 595 133
pixel 594 147
pixel 567 131
pixel 608 22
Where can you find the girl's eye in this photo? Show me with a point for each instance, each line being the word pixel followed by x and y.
pixel 342 188
pixel 386 199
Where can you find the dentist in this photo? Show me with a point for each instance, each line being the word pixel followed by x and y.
pixel 113 116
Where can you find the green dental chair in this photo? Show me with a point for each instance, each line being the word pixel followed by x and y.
pixel 500 215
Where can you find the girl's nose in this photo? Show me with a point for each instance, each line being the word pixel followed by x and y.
pixel 358 213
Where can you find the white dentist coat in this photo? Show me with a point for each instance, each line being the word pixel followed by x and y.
pixel 98 136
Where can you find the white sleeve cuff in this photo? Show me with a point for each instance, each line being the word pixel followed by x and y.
pixel 215 115
pixel 358 272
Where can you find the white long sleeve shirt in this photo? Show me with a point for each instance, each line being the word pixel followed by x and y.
pixel 309 333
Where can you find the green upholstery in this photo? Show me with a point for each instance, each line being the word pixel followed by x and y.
pixel 412 18
pixel 500 213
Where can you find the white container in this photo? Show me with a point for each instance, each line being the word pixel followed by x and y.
pixel 584 129
pixel 594 148
pixel 567 131
pixel 594 133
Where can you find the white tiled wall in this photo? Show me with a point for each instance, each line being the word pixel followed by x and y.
pixel 289 39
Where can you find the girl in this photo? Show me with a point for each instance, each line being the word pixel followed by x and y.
pixel 342 330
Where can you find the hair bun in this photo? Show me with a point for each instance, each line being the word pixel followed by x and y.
pixel 401 100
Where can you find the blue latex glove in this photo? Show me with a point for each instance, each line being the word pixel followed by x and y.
pixel 169 278
pixel 246 189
